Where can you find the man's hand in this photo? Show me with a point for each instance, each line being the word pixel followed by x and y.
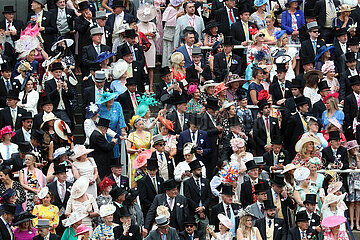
pixel 145 232
pixel 284 193
pixel 219 128
pixel 41 29
pixel 267 148
pixel 59 85
pixel 198 68
pixel 13 32
pixel 114 140
pixel 7 33
pixel 200 152
pixel 199 209
pixel 281 101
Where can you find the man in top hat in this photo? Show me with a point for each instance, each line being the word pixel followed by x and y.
pixel 191 231
pixel 279 88
pixel 134 208
pixel 257 209
pixel 271 227
pixel 116 175
pixel 189 19
pixel 11 26
pixel 128 99
pixel 12 114
pixel 266 128
pixel 126 229
pixel 197 137
pixel 344 80
pixel 59 93
pixel 198 193
pixel 227 61
pixel 93 50
pixel 232 16
pixel 150 185
pixel 277 157
pixel 325 13
pixel 165 161
pixel 47 108
pixel 43 230
pixel 310 16
pixel 177 204
pixel 17 160
pixel 335 156
pixel 168 88
pixel 64 19
pixel 353 45
pixel 7 83
pixel 101 18
pixel 59 189
pixel 118 197
pixel 350 103
pixel 302 230
pixel 103 149
pixel 180 117
pixel 117 18
pixel 319 106
pixel 188 48
pixel 279 196
pixel 46 21
pixel 164 230
pixel 24 133
pixel 226 206
pixel 135 49
pixel 340 48
pixel 198 72
pixel 8 213
pixel 314 219
pixel 311 46
pixel 247 194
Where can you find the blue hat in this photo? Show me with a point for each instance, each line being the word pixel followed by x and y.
pixel 144 102
pixel 107 96
pixel 322 50
pixel 259 3
pixel 290 1
pixel 7 195
pixel 92 110
pixel 215 46
pixel 278 34
pixel 103 56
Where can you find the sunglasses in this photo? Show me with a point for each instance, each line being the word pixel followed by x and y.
pixel 189 226
pixel 161 144
pixel 261 35
pixel 315 31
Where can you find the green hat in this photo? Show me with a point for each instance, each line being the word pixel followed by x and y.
pixel 144 102
pixel 107 96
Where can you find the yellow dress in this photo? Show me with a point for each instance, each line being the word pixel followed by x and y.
pixel 137 144
pixel 51 212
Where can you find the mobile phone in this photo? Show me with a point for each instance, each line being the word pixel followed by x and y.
pixel 212 227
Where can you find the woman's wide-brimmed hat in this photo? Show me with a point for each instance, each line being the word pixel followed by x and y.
pixel 305 139
pixel 68 42
pixel 119 68
pixel 80 150
pixel 92 110
pixel 141 159
pixel 43 192
pixel 79 187
pixel 289 167
pixel 63 130
pixel 259 3
pixel 177 57
pixel 333 221
pixel 233 78
pixel 103 56
pixel 210 25
pixel 345 8
pixel 220 87
pixel 74 218
pixel 5 196
pixel 301 174
pixel 6 130
pixel 134 120
pixel 167 123
pixel 82 229
pixel 23 217
pixel 24 66
pixel 107 96
pixel 323 50
pixel 48 117
pixel 351 144
pixel 290 1
pixel 208 83
pixel 106 210
pixel 225 221
pixel 176 3
pixel 146 13
pixel 332 198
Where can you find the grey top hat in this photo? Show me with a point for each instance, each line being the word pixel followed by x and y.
pixel 95 30
pixel 100 14
pixel 158 138
pixel 312 25
pixel 100 76
pixel 161 220
pixel 43 223
pixel 42 2
pixel 196 51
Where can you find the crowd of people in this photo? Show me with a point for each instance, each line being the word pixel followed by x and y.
pixel 251 132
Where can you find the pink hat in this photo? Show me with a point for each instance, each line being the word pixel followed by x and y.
pixel 220 87
pixel 333 221
pixel 237 143
pixel 351 144
pixel 328 66
pixel 141 159
pixel 82 229
pixel 225 221
pixel 334 187
pixel 335 122
pixel 6 130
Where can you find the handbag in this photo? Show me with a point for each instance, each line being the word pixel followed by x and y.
pixel 168 34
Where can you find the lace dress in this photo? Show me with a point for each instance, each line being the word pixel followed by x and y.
pixel 354 192
pixel 87 169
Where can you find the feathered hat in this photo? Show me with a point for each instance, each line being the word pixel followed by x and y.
pixel 144 102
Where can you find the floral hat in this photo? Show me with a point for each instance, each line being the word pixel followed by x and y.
pixel 237 143
pixel 331 95
pixel 219 88
pixel 92 110
pixel 105 183
pixel 6 130
pixel 144 102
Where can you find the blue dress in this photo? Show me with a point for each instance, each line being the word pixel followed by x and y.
pixel 117 121
pixel 257 88
pixel 116 86
pixel 338 115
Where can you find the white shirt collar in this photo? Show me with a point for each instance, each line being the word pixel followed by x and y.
pixel 353 72
pixel 179 114
pixel 121 15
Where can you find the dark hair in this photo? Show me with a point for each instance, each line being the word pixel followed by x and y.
pixel 188 32
pixel 326 181
pixel 7 171
pixel 256 72
pixel 51 197
pixel 185 5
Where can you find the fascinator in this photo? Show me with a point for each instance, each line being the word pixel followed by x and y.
pixel 144 102
pixel 279 34
pixel 141 159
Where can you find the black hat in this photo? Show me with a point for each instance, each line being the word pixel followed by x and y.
pixel 83 5
pixel 212 103
pixel 354 80
pixel 9 9
pixel 94 66
pixel 227 189
pixel 195 164
pixel 131 195
pixel 59 169
pixel 26 116
pixel 269 204
pixel 334 135
pixel 189 29
pixel 302 216
pixel 296 83
pixel 103 122
pixel 130 33
pixel 5 66
pixel 262 103
pixel 46 100
pixel 244 10
pixel 190 220
pixel 299 101
pixel 8 208
pixel 24 147
pixel 306 60
pixel 250 165
pixel 350 57
pixel 124 212
pixel 180 99
pixel 152 164
pixel 195 119
pixel 310 198
pixel 228 40
pixel 24 216
pixel 278 179
pixel 116 163
pixel 117 3
pixel 117 192
pixel 38 135
pixel 276 141
pixel 124 50
pixel 260 187
pixel 164 71
pixel 131 20
pixel 234 121
pixel 130 81
pixel 210 25
pixel 13 94
pixel 340 32
pixel 353 41
pixel 281 67
pixel 57 66
pixel 169 184
pixel 309 13
pixel 322 85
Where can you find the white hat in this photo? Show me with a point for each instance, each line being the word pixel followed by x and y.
pixel 43 192
pixel 73 218
pixel 79 187
pixel 301 174
pixel 225 221
pixel 289 167
pixel 80 150
pixel 106 210
pixel 67 41
pixel 229 104
pixel 332 198
pixel 47 118
pixel 305 139
pixel 146 13
pixel 119 68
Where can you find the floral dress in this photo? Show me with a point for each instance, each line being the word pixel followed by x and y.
pixel 252 50
pixel 50 212
pixel 300 160
pixel 193 107
pixel 354 193
pixel 104 231
pixel 34 184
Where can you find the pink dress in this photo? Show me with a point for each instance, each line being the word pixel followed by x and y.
pixel 159 25
pixel 24 235
pixel 328 235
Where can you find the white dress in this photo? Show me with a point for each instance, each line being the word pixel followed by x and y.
pixel 312 94
pixel 31 101
pixel 6 151
pixel 252 235
pixel 240 164
pixel 150 55
pixel 87 169
pixel 226 236
pixel 290 74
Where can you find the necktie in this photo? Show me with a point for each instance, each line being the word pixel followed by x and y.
pixel 304 122
pixel 191 237
pixel 13 115
pixel 283 87
pixel 133 52
pixel 190 52
pixel 262 208
pixel 193 136
pixel 303 234
pixel 8 85
pixel 133 98
pixel 228 57
pixel 7 151
pixel 246 30
pixel 231 16
pixel 9 26
pixel 276 159
pixel 267 124
pixel 269 223
pixel 154 182
pixel 161 156
pixel 163 236
pixel 314 45
pixel 98 49
pixel 171 201
pixel 62 190
pixel 198 184
pixel 182 121
pixel 228 212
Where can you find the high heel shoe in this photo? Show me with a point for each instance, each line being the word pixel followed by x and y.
pixel 352 226
pixel 357 227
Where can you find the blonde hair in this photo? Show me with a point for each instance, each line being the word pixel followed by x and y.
pixel 271 16
pixel 176 59
pixel 242 226
pixel 255 37
pixel 31 157
pixel 280 40
pixel 304 148
pixel 333 104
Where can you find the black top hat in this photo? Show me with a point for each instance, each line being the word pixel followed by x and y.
pixel 57 66
pixel 38 135
pixel 131 20
pixel 83 5
pixel 299 101
pixel 278 179
pixel 277 141
pixel 268 204
pixel 95 66
pixel 123 51
pixel 116 192
pixel 8 208
pixel 353 41
pixel 227 189
pixel 26 116
pixel 302 216
pixel 306 60
pixel 334 135
pixel 354 80
pixel 260 187
pixel 9 9
pixel 130 33
pixel 180 99
pixel 13 94
pixel 59 169
pixel 310 198
pixel 46 100
pixel 24 216
pixel 24 147
pixel 340 32
pixel 103 122
pixel 250 165
pixel 190 220
pixel 152 164
pixel 131 195
pixel 262 103
pixel 6 67
pixel 210 25
pixel 281 67
pixel 350 57
pixel 310 13
pixel 228 40
pixel 130 81
pixel 164 71
pixel 169 184
pixel 233 121
pixel 322 85
pixel 195 119
pixel 195 164
pixel 124 212
pixel 244 10
pixel 212 103
pixel 116 163
pixel 296 83
pixel 117 3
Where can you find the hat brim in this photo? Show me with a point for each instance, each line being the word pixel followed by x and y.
pixel 163 224
pixel 309 202
pixel 69 42
pixel 108 98
pixel 24 220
